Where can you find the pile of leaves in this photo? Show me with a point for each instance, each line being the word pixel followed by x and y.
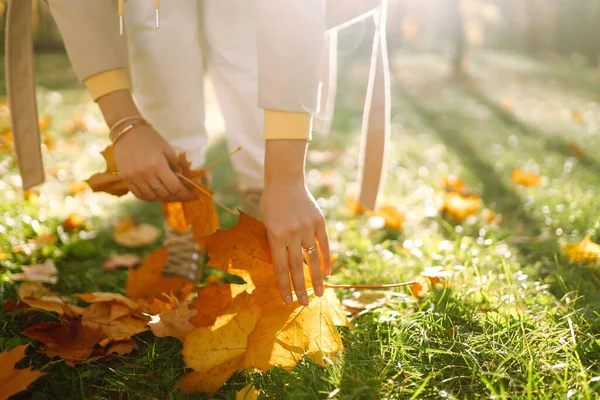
pixel 224 328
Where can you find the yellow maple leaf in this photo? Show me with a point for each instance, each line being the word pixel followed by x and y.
pixel 205 348
pixel 392 216
pixel 584 251
pixel 12 380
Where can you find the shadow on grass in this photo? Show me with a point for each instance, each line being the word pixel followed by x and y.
pixel 550 143
pixel 542 254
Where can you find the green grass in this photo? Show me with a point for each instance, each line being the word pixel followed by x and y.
pixel 516 321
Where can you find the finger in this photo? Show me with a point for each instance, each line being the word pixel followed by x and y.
pixel 314 262
pixel 280 263
pixel 173 184
pixel 158 187
pixel 146 190
pixel 135 190
pixel 323 244
pixel 297 268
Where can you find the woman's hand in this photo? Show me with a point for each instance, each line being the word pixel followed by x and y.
pixel 294 222
pixel 143 157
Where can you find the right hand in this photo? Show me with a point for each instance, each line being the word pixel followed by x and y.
pixel 143 157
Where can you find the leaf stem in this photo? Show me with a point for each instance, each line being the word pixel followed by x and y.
pixel 200 188
pixel 221 159
pixel 384 286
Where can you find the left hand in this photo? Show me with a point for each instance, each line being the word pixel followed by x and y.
pixel 295 224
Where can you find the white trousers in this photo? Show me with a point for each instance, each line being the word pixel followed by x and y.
pixel 168 66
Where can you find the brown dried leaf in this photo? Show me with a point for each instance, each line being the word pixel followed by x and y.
pixel 121 261
pixel 13 381
pixel 45 272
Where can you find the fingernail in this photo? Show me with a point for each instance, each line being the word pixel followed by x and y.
pixel 319 290
pixel 288 300
pixel 304 300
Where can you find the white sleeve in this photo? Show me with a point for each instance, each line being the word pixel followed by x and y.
pixel 291 36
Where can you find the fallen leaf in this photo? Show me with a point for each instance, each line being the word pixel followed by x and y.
pixel 457 205
pixel 248 392
pixel 353 205
pixel 285 333
pixel 122 347
pixel 44 122
pixel 45 272
pixel 211 302
pixel 67 339
pixel 147 280
pixel 78 187
pixel 452 183
pixel 488 216
pixel 175 322
pixel 156 306
pixel 116 320
pixel 361 300
pixel 31 194
pixel 209 381
pixel 525 178
pixel 121 261
pixel 13 381
pixel 34 290
pixel 73 221
pixel 205 348
pixel 425 281
pixel 582 252
pixel 98 297
pixel 392 216
pixel 137 236
pixel 53 304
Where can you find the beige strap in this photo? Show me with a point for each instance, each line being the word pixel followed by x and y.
pixel 20 85
pixel 376 117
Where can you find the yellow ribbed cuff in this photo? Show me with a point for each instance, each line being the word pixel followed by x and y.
pixel 107 82
pixel 287 125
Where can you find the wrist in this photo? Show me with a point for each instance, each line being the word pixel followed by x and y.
pixel 285 161
pixel 116 106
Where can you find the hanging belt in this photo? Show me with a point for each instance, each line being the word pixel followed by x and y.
pixel 20 85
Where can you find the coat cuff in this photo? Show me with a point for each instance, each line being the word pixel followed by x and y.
pixel 107 82
pixel 287 125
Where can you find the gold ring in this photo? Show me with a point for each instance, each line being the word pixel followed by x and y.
pixel 311 249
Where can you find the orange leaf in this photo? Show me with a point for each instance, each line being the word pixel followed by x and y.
pixel 53 304
pixel 525 178
pixel 13 381
pixel 34 290
pixel 452 183
pixel 583 252
pixel 109 180
pixel 392 216
pixel 175 322
pixel 78 187
pixel 122 347
pixel 155 306
pixel 457 205
pixel 121 261
pixel 68 339
pixel 98 297
pixel 175 216
pixel 209 381
pixel 205 348
pixel 116 320
pixel 147 280
pixel 73 221
pixel 210 303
